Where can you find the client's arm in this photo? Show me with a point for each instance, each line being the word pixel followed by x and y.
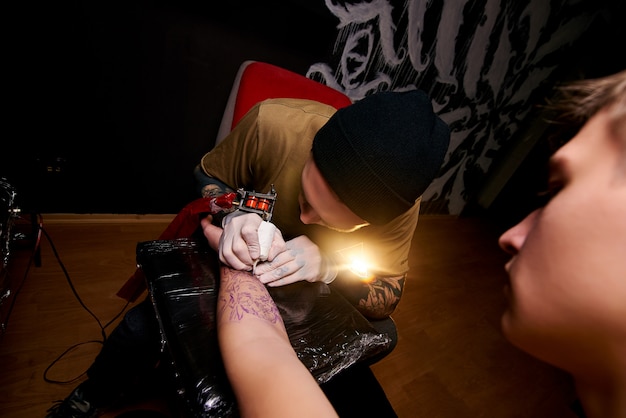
pixel 267 376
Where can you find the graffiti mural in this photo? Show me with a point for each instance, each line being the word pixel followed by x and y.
pixel 483 62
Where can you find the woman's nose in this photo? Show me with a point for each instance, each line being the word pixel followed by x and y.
pixel 513 239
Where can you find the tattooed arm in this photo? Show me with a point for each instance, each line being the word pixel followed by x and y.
pixel 267 376
pixel 376 298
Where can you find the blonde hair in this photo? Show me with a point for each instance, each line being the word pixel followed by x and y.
pixel 579 100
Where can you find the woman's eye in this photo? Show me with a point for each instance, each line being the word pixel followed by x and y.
pixel 546 195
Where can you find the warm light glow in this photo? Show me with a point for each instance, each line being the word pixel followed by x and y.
pixel 359 267
pixel 355 260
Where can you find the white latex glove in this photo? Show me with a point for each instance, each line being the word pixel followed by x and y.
pixel 302 260
pixel 266 233
pixel 239 244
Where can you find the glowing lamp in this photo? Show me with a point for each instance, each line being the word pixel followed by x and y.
pixel 355 260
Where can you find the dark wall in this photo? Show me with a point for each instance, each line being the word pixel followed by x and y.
pixel 524 190
pixel 113 104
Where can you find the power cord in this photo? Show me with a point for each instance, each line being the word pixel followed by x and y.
pixel 41 230
pixel 78 298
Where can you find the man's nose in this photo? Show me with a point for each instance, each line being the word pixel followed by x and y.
pixel 309 216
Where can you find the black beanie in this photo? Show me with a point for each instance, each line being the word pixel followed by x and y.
pixel 381 153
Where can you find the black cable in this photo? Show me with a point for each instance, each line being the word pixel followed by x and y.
pixel 41 230
pixel 56 360
pixel 69 282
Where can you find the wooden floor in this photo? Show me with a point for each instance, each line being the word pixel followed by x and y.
pixel 451 359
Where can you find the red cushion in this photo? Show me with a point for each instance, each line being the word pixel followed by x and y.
pixel 262 81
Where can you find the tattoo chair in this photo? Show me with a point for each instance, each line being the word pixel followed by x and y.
pixel 182 275
pixel 256 81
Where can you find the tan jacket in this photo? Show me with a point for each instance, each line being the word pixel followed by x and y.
pixel 270 146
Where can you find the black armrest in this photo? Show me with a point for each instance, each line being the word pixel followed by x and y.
pixel 327 333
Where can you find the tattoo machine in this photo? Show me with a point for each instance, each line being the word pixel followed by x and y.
pixel 254 202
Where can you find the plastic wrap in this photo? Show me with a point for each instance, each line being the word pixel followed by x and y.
pixel 327 333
